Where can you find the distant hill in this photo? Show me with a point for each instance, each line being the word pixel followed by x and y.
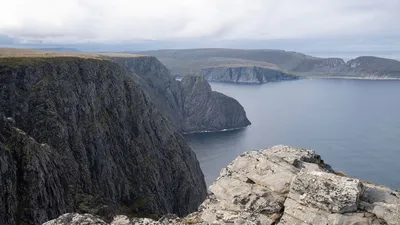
pixel 194 60
pixel 60 49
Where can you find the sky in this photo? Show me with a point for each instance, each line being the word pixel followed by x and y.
pixel 318 24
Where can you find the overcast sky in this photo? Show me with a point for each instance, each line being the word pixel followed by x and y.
pixel 113 21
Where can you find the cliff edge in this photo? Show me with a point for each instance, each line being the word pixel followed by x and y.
pixel 287 186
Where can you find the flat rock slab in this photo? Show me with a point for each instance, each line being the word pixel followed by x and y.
pixel 76 219
pixel 299 214
pixel 326 191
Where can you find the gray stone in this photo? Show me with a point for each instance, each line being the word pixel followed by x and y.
pixel 76 219
pixel 381 201
pixel 326 191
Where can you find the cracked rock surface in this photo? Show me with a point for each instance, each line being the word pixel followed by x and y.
pixel 288 186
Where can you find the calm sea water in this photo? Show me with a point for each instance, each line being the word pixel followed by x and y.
pixel 353 124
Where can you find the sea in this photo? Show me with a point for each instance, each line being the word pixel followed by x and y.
pixel 353 124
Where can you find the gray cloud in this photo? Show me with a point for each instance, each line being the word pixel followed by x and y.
pixel 111 21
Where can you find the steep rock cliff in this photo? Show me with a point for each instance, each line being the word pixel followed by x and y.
pixel 189 104
pixel 245 74
pixel 86 138
pixel 207 110
pixel 157 82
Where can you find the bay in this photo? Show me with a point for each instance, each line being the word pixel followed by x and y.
pixel 353 124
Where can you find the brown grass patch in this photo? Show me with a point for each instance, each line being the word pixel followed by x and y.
pixel 16 52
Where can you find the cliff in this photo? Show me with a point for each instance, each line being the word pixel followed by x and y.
pixel 207 110
pixel 189 104
pixel 152 76
pixel 375 66
pixel 82 136
pixel 245 74
pixel 285 61
pixel 155 79
pixel 286 186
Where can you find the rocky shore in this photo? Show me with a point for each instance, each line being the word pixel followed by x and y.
pixel 280 185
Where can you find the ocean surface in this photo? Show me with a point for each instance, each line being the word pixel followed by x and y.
pixel 353 124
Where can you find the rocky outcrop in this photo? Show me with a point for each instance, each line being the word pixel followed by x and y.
pixel 189 104
pixel 81 136
pixel 245 74
pixel 289 186
pixel 207 110
pixel 76 219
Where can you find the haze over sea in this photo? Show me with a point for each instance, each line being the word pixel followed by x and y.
pixel 353 124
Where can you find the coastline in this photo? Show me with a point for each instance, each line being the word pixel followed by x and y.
pixel 351 78
pixel 304 77
pixel 213 131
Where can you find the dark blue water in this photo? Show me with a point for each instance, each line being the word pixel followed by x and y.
pixel 353 124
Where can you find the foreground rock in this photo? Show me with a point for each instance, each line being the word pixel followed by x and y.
pixel 245 74
pixel 189 104
pixel 288 186
pixel 83 137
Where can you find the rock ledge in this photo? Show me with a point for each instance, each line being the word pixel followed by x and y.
pixel 287 186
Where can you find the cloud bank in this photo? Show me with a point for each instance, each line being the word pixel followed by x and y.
pixel 112 21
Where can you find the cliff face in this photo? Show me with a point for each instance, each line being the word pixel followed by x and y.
pixel 190 105
pixel 249 75
pixel 368 65
pixel 157 82
pixel 86 138
pixel 365 66
pixel 207 110
pixel 319 65
pixel 286 186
